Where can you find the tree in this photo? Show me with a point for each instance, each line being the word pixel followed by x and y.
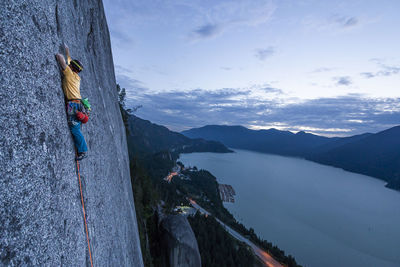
pixel 121 96
pixel 121 101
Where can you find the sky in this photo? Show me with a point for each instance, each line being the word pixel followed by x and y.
pixel 327 67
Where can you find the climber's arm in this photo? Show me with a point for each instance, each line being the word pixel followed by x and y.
pixel 61 60
pixel 67 53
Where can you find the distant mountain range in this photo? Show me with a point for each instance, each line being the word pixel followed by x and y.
pixel 376 155
pixel 146 137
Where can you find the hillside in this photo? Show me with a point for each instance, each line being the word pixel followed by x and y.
pixel 40 206
pixel 376 155
pixel 146 137
pixel 268 141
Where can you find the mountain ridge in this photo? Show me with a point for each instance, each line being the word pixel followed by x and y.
pixel 152 138
pixel 376 155
pixel 270 141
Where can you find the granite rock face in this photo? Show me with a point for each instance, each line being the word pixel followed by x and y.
pixel 180 241
pixel 41 222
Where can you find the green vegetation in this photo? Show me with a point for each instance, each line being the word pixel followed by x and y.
pixel 150 161
pixel 217 247
pixel 394 183
pixel 145 199
pixel 145 195
pixel 203 188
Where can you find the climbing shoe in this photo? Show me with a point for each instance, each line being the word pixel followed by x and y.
pixel 81 156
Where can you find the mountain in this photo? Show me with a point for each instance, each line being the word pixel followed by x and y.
pixel 337 142
pixel 268 141
pixel 376 155
pixel 41 214
pixel 146 137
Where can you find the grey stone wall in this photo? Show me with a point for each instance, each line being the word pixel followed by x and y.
pixel 180 242
pixel 41 220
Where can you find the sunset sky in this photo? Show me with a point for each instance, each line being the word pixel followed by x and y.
pixel 326 67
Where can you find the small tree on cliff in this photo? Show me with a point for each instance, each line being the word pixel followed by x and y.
pixel 121 101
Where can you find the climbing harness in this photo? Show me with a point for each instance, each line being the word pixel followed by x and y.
pixel 84 214
pixel 78 109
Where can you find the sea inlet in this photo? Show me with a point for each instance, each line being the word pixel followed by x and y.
pixel 323 216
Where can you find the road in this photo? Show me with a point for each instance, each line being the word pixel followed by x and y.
pixel 264 256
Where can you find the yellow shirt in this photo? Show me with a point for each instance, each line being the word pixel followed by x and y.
pixel 71 83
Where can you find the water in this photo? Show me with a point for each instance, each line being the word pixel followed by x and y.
pixel 323 216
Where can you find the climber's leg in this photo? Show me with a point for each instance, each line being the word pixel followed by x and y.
pixel 79 140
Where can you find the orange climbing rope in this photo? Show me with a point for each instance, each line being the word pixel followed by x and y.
pixel 84 215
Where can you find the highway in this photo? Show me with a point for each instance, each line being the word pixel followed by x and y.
pixel 264 256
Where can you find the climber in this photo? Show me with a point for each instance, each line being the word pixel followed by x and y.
pixel 76 112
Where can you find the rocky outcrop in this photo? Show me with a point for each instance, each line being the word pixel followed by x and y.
pixel 41 220
pixel 180 242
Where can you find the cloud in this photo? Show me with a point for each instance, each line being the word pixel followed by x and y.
pixel 196 20
pixel 389 70
pixel 344 115
pixel 132 86
pixel 333 24
pixel 263 54
pixel 368 74
pixel 121 38
pixel 345 22
pixel 206 31
pixel 121 69
pixel 199 107
pixel 222 16
pixel 322 69
pixel 336 116
pixel 385 70
pixel 344 80
pixel 272 90
pixel 124 78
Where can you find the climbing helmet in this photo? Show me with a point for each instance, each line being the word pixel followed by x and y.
pixel 76 65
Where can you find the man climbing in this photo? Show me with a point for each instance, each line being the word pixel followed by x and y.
pixel 76 113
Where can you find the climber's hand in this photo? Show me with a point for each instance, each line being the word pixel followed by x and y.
pixel 66 50
pixel 61 61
